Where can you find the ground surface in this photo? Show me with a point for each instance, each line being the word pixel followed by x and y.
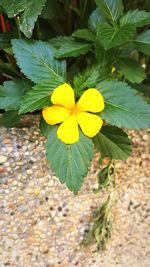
pixel 42 223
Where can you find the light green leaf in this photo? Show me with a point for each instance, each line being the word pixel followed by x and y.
pixel 112 9
pixel 30 9
pixel 95 18
pixel 69 162
pixel 38 97
pixel 109 36
pixel 113 142
pixel 72 48
pixel 10 119
pixel 123 106
pixel 11 94
pixel 37 61
pixel 131 69
pixel 88 78
pixel 142 42
pixel 139 18
pixel 84 34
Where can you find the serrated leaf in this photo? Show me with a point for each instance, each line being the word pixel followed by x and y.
pixel 38 97
pixel 109 36
pixel 11 94
pixel 131 69
pixel 139 18
pixel 142 42
pixel 113 142
pixel 112 9
pixel 84 34
pixel 30 9
pixel 88 78
pixel 10 119
pixel 37 61
pixel 123 106
pixel 72 48
pixel 95 18
pixel 69 162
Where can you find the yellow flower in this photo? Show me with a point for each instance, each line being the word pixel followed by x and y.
pixel 71 114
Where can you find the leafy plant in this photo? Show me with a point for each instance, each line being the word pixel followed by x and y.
pixel 90 45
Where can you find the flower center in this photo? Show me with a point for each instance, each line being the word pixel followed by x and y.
pixel 75 110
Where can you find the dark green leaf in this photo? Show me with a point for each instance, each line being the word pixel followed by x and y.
pixel 10 119
pixel 142 42
pixel 45 128
pixel 84 34
pixel 30 9
pixel 131 69
pixel 72 48
pixel 52 10
pixel 11 94
pixel 86 79
pixel 37 61
pixel 69 162
pixel 139 18
pixel 5 39
pixel 112 9
pixel 38 97
pixel 95 18
pixel 123 106
pixel 109 36
pixel 8 70
pixel 113 142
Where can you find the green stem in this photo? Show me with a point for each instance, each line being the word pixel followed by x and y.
pixel 17 24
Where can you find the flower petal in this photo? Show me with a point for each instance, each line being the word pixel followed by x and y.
pixel 91 100
pixel 90 123
pixel 63 95
pixel 68 131
pixel 55 114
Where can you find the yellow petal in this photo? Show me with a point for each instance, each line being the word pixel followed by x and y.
pixel 90 123
pixel 68 131
pixel 91 100
pixel 63 95
pixel 55 114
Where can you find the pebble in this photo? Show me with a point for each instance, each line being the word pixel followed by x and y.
pixel 3 159
pixel 46 222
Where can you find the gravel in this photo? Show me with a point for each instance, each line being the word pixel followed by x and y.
pixel 42 223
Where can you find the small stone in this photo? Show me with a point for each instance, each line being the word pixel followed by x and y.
pixel 20 163
pixel 145 137
pixel 1 169
pixel 29 172
pixel 51 183
pixel 37 191
pixel 3 159
pixel 21 198
pixel 7 141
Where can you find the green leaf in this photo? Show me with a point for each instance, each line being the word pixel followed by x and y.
pixel 52 10
pixel 28 11
pixel 139 18
pixel 10 119
pixel 69 162
pixel 72 48
pixel 44 127
pixel 131 69
pixel 123 106
pixel 84 34
pixel 112 9
pixel 5 39
pixel 142 42
pixel 38 97
pixel 95 18
pixel 109 36
pixel 9 70
pixel 37 61
pixel 88 78
pixel 11 94
pixel 113 142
